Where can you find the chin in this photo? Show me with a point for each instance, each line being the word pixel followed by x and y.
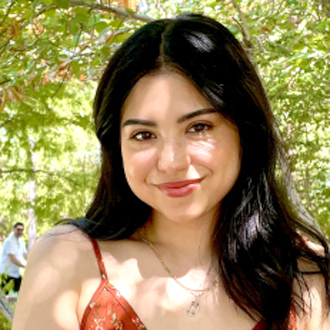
pixel 187 217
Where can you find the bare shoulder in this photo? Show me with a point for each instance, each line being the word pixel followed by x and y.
pixel 316 314
pixel 59 248
pixel 63 233
pixel 51 284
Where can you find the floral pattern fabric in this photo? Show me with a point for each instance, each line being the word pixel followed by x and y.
pixel 109 310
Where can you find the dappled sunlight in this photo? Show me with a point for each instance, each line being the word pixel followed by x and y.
pixel 173 290
pixel 152 290
pixel 47 281
pixel 126 283
pixel 155 284
pixel 63 309
pixel 62 250
pixel 44 285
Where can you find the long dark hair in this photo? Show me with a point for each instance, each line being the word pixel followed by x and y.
pixel 259 234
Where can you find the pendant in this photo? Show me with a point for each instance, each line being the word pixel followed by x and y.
pixel 194 308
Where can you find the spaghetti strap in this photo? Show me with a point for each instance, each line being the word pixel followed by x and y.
pixel 99 259
pixel 107 308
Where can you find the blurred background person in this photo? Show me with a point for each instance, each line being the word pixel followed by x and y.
pixel 13 257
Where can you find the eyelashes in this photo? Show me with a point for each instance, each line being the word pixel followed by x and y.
pixel 199 128
pixel 142 136
pixel 196 128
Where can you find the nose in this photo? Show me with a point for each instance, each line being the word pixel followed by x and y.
pixel 173 157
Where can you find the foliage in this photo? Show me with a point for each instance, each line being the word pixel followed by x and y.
pixel 52 52
pixel 293 48
pixel 65 161
pixel 42 43
pixel 4 323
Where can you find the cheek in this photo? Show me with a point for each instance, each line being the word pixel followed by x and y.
pixel 209 153
pixel 222 154
pixel 137 165
pixel 203 149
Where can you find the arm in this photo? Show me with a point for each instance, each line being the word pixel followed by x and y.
pixel 25 254
pixel 51 286
pixel 14 260
pixel 316 314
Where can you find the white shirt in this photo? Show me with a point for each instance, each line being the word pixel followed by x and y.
pixel 12 245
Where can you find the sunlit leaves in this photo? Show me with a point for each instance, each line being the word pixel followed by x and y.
pixel 65 151
pixel 61 3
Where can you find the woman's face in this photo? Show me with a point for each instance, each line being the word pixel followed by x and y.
pixel 180 155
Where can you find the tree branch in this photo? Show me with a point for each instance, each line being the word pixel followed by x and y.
pixel 72 56
pixel 4 123
pixel 5 81
pixel 245 31
pixel 8 11
pixel 116 11
pixel 29 170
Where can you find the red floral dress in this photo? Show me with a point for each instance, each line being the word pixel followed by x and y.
pixel 109 310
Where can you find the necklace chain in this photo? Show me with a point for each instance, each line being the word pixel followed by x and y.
pixel 197 293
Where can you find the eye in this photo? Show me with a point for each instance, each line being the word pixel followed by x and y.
pixel 199 128
pixel 143 136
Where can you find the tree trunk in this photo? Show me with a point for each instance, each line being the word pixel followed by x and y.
pixel 32 219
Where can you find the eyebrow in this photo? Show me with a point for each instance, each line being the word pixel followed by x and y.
pixel 195 114
pixel 139 122
pixel 183 118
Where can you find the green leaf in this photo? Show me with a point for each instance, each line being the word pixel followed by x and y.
pixel 105 52
pixel 28 14
pixel 74 26
pixel 322 26
pixel 62 3
pixel 35 3
pixel 81 15
pixel 81 18
pixel 75 68
pixel 292 2
pixel 50 13
pixel 93 20
pixel 99 27
pixel 299 46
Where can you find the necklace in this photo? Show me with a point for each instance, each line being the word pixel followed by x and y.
pixel 197 293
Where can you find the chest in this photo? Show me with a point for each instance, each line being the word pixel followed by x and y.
pixel 160 303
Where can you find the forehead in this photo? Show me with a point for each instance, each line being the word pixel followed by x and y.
pixel 160 95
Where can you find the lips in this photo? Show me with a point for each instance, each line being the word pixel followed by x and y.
pixel 179 188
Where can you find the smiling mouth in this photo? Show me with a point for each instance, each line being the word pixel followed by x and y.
pixel 179 188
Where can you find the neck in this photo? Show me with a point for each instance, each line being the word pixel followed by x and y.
pixel 188 242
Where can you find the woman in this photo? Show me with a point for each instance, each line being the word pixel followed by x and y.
pixel 189 224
